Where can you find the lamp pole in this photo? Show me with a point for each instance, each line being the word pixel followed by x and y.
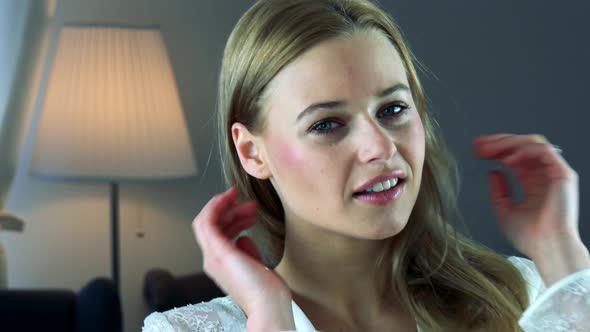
pixel 114 186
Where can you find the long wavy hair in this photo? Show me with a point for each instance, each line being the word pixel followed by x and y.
pixel 447 281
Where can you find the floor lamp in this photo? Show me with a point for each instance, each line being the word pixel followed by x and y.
pixel 111 113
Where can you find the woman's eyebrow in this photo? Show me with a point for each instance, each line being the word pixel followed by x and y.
pixel 323 105
pixel 326 105
pixel 392 89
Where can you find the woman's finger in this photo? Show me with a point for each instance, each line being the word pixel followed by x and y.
pixel 204 224
pixel 500 192
pixel 248 246
pixel 239 225
pixel 506 144
pixel 539 156
pixel 237 211
pixel 220 248
pixel 489 138
pixel 217 206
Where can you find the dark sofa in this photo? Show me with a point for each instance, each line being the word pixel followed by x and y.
pixel 163 291
pixel 96 307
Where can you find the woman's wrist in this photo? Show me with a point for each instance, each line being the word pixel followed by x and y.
pixel 556 259
pixel 276 316
pixel 271 322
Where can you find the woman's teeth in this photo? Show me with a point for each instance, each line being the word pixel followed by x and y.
pixel 382 186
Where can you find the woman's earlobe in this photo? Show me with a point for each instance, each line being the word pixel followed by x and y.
pixel 247 148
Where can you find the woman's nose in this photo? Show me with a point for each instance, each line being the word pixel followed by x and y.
pixel 375 143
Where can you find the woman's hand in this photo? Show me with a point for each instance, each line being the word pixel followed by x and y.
pixel 545 225
pixel 238 269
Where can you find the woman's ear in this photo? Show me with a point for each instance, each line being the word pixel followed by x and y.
pixel 249 151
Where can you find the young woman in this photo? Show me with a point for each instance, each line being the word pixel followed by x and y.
pixel 325 135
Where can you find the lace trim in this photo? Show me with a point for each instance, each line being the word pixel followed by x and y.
pixel 218 315
pixel 565 306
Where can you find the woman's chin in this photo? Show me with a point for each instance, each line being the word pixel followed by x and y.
pixel 381 231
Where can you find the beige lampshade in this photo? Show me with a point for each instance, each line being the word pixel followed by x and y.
pixel 112 110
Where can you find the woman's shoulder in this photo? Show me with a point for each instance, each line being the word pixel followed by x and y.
pixel 531 275
pixel 219 314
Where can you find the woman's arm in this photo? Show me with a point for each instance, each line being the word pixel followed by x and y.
pixel 544 226
pixel 557 259
pixel 237 266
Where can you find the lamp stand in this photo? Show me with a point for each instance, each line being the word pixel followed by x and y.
pixel 115 232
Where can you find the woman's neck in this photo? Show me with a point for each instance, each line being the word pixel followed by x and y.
pixel 333 271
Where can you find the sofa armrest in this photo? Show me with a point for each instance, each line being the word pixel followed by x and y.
pixel 198 287
pixel 35 310
pixel 99 307
pixel 159 290
pixel 162 291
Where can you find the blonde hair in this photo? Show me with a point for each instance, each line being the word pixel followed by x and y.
pixel 447 281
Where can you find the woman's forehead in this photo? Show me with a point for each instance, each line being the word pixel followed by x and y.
pixel 348 67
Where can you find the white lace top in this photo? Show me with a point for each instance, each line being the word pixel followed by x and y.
pixel 565 306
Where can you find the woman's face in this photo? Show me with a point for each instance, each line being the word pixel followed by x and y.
pixel 338 119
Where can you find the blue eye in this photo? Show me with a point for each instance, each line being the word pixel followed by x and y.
pixel 394 110
pixel 324 127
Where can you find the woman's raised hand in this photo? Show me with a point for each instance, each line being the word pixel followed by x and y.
pixel 545 225
pixel 238 268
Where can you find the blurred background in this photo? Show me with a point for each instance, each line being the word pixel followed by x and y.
pixel 500 66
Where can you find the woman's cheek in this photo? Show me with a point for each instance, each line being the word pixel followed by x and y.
pixel 306 168
pixel 290 159
pixel 419 134
pixel 419 146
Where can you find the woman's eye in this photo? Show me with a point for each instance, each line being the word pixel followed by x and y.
pixel 324 126
pixel 394 110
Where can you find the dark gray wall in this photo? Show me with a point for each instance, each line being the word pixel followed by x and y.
pixel 503 66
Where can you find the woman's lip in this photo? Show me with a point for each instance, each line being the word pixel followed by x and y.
pixel 397 173
pixel 383 197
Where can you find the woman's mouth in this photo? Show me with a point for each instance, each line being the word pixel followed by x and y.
pixel 382 193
